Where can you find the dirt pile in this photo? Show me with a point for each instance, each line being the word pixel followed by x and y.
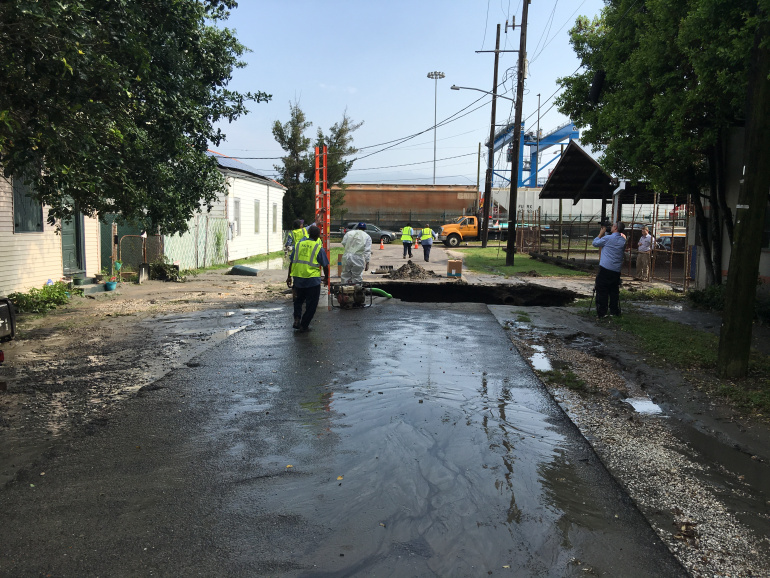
pixel 412 271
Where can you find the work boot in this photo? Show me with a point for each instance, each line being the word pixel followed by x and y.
pixel 296 323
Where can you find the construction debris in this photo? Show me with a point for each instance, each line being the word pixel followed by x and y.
pixel 412 271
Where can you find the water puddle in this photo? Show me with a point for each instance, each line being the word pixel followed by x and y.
pixel 539 360
pixel 276 263
pixel 643 405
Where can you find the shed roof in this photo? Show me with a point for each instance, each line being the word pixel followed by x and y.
pixel 578 176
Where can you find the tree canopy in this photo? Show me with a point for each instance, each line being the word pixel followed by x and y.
pixel 674 74
pixel 109 106
pixel 666 79
pixel 297 172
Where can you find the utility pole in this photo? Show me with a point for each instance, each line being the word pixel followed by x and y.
pixel 513 198
pixel 537 150
pixel 490 152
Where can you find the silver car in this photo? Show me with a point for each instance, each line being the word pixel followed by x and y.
pixel 374 232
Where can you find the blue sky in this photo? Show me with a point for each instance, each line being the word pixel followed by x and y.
pixel 371 59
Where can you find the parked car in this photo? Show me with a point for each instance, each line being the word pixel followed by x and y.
pixel 374 232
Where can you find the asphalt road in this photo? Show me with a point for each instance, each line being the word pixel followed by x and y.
pixel 401 440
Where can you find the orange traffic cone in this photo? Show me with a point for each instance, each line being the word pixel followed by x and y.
pixel 415 243
pixel 382 245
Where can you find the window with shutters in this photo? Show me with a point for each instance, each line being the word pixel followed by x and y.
pixel 27 212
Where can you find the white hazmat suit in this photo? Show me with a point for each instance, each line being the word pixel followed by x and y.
pixel 358 252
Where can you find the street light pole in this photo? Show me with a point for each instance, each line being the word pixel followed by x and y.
pixel 435 76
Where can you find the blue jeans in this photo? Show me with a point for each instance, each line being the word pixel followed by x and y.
pixel 407 248
pixel 426 251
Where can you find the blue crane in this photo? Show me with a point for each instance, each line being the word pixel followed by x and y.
pixel 503 137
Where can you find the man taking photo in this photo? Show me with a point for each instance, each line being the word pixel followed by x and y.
pixel 608 279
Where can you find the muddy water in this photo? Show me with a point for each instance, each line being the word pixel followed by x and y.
pixel 423 446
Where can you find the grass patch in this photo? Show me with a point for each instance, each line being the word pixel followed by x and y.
pixel 688 349
pixel 492 260
pixel 651 294
pixel 522 317
pixel 643 295
pixel 669 341
pixel 568 379
pixel 255 260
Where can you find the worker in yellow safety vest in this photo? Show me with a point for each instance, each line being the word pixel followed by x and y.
pixel 426 240
pixel 297 233
pixel 406 239
pixel 307 260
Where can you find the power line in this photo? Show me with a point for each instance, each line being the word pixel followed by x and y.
pixel 417 163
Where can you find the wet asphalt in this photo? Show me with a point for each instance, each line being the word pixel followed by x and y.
pixel 399 440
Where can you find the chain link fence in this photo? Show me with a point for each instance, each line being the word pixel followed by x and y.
pixel 203 245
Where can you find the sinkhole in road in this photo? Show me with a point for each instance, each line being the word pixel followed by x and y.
pixel 519 295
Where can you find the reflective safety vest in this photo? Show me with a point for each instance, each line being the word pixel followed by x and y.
pixel 406 234
pixel 305 263
pixel 298 235
pixel 427 233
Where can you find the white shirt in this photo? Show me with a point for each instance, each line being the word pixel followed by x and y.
pixel 645 243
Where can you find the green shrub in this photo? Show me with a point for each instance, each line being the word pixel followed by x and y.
pixel 42 300
pixel 712 297
pixel 163 270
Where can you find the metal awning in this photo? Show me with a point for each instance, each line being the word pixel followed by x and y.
pixel 578 176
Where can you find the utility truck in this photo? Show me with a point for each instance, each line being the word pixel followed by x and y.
pixel 466 228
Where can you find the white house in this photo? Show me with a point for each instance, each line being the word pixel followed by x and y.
pixel 33 251
pixel 253 204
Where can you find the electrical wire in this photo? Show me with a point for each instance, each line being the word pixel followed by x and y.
pixel 569 19
pixel 417 163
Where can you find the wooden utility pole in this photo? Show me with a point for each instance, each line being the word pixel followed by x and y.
pixel 513 198
pixel 738 315
pixel 490 152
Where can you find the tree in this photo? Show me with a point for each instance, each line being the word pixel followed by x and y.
pixel 734 339
pixel 339 143
pixel 674 77
pixel 109 107
pixel 297 172
pixel 298 200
